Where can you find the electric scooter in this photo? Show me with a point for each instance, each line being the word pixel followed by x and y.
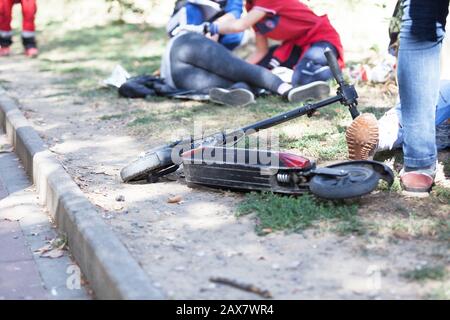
pixel 215 161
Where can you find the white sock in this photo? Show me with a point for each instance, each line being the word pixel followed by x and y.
pixel 389 133
pixel 283 88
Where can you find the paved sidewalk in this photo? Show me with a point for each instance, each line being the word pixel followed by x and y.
pixel 19 275
pixel 24 228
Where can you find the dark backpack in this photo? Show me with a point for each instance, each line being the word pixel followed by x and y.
pixel 151 86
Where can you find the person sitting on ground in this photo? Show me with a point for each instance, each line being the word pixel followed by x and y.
pixel 302 33
pixel 195 62
pixel 195 13
pixel 28 27
pixel 366 135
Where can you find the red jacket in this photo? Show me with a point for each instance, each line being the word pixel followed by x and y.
pixel 294 24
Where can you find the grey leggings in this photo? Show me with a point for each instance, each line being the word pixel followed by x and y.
pixel 198 63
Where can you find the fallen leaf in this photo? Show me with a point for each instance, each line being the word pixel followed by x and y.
pixel 176 199
pixel 402 235
pixel 53 254
pixel 54 249
pixel 44 249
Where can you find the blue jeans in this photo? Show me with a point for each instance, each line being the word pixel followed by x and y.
pixel 313 66
pixel 442 112
pixel 421 38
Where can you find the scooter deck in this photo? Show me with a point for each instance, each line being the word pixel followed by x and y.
pixel 247 170
pixel 279 172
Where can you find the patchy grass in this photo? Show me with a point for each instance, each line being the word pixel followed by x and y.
pixel 393 156
pixel 426 273
pixel 269 106
pixel 378 112
pixel 442 194
pixel 143 120
pixel 323 146
pixel 84 57
pixel 440 293
pixel 443 229
pixel 417 227
pixel 277 213
pixel 114 116
pixel 177 114
pixel 395 187
pixel 446 165
pixel 403 224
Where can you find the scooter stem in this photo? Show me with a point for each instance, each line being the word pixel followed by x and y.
pixel 281 118
pixel 347 91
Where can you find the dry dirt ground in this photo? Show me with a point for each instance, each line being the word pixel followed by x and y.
pixel 182 245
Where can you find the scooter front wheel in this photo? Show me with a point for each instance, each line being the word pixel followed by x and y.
pixel 153 161
pixel 358 181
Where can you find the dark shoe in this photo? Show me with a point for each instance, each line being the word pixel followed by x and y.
pixel 317 90
pixel 417 182
pixel 362 137
pixel 231 97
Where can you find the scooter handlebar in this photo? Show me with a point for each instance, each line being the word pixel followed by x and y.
pixel 334 66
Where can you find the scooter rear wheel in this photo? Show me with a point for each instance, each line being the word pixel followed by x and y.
pixel 360 180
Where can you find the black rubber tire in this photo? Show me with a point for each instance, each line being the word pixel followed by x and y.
pixel 153 161
pixel 361 180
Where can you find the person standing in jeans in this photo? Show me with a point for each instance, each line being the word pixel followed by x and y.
pixel 28 28
pixel 421 36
